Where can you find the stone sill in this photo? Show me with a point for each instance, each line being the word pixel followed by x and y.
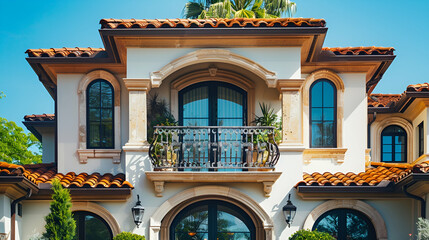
pixel 114 154
pixel 159 178
pixel 336 154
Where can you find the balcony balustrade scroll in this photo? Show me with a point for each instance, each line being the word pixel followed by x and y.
pixel 213 148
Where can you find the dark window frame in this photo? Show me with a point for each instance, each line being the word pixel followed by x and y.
pixel 335 113
pixel 212 97
pixel 405 153
pixel 421 131
pixel 88 108
pixel 212 217
pixel 342 222
pixel 80 224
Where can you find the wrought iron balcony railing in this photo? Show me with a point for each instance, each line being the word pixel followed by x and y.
pixel 212 148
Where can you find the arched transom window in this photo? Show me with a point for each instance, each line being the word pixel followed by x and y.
pixel 323 114
pixel 99 112
pixel 393 144
pixel 91 227
pixel 346 224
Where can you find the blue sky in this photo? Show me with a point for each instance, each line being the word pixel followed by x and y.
pixel 46 24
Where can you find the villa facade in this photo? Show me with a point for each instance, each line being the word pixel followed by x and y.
pixel 353 162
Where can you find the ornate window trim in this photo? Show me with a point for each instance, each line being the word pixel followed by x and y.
pixel 100 211
pixel 82 151
pixel 337 153
pixel 162 218
pixel 378 127
pixel 372 213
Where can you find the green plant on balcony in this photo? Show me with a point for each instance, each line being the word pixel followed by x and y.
pixel 160 115
pixel 269 119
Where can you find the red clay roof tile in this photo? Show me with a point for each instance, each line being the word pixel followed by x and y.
pixel 211 23
pixel 383 100
pixel 45 173
pixel 39 117
pixel 371 177
pixel 422 87
pixel 64 52
pixel 360 50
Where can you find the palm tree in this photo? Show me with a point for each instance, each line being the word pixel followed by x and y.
pixel 238 8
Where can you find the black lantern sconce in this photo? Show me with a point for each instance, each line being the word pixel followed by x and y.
pixel 138 211
pixel 289 211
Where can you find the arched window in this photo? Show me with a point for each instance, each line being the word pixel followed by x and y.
pixel 323 114
pixel 212 220
pixel 393 144
pixel 91 227
pixel 99 115
pixel 345 224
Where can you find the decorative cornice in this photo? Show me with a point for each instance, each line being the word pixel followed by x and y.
pixel 290 84
pixel 137 84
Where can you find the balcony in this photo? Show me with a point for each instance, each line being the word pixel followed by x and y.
pixel 213 154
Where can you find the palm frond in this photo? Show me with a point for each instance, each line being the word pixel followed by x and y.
pixel 221 9
pixel 244 13
pixel 193 9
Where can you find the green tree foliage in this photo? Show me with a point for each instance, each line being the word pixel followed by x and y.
pixel 15 144
pixel 423 229
pixel 60 224
pixel 310 235
pixel 238 8
pixel 128 236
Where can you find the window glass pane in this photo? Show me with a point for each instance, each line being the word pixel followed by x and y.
pixel 387 148
pixel 94 134
pixel 196 103
pixel 95 229
pixel 328 114
pixel 316 114
pixel 193 223
pixel 230 103
pixel 316 94
pixel 328 94
pixel 106 114
pixel 328 134
pixel 94 114
pixel 387 157
pixel 316 134
pixel 329 224
pixel 387 140
pixel 357 227
pixel 94 95
pixel 106 137
pixel 398 157
pixel 399 139
pixel 399 148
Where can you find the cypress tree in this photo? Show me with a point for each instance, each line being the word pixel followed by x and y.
pixel 60 224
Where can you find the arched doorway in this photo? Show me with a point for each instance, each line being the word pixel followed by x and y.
pixel 212 220
pixel 90 226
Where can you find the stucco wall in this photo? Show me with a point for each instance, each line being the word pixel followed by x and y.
pixel 68 128
pixel 48 143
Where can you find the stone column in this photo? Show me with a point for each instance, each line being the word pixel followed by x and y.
pixel 292 128
pixel 137 91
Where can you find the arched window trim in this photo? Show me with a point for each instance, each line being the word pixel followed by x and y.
pixel 79 223
pixel 372 213
pixel 335 113
pixel 100 211
pixel 404 133
pixel 339 85
pixel 82 152
pixel 378 126
pixel 88 110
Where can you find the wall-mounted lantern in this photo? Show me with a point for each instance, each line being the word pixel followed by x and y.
pixel 138 211
pixel 289 211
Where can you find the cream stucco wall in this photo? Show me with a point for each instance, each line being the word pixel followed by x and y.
pixel 48 144
pixel 68 129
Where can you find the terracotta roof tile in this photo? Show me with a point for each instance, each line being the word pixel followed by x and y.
pixel 64 52
pixel 39 117
pixel 45 173
pixel 422 87
pixel 383 100
pixel 361 50
pixel 211 23
pixel 371 177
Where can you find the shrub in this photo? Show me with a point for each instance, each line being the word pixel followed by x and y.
pixel 128 236
pixel 310 235
pixel 60 224
pixel 422 229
